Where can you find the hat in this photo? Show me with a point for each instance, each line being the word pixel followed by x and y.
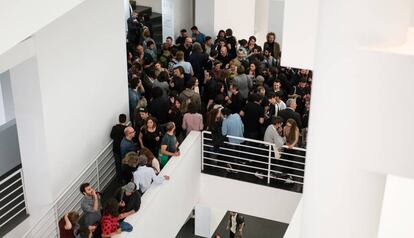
pixel 129 188
pixel 142 109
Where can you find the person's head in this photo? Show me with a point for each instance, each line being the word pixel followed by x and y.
pixel 266 52
pixel 229 32
pixel 142 160
pixel 151 123
pixel 192 108
pixel 143 113
pixel 234 88
pixel 73 217
pixel 239 220
pixel 219 99
pixel 207 75
pixel 221 34
pixel 291 103
pixel 122 118
pixel 170 126
pixel 260 80
pixel 179 71
pixel 261 91
pixel 194 30
pixel 197 48
pixel 111 207
pixel 177 103
pixel 276 85
pixel 184 33
pixel 303 82
pixel 291 126
pixel 87 231
pixel 188 42
pixel 271 97
pixel 233 67
pixel 157 92
pixel 214 53
pixel 252 40
pixel 140 48
pixel 129 188
pixel 131 159
pixel 146 32
pixel 254 97
pixel 277 121
pixel 150 44
pixel 240 54
pixel 180 55
pixel 217 65
pixel 147 152
pixel 278 96
pixel 225 112
pixel 129 132
pixel 86 189
pixel 252 67
pixel 169 41
pixel 241 70
pixel 223 51
pixel 190 83
pixel 163 76
pixel 271 37
pixel 208 41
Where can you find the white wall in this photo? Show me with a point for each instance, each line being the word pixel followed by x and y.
pixel 262 20
pixel 2 112
pixel 155 4
pixel 276 16
pixel 31 132
pixel 165 208
pixel 204 17
pixel 398 208
pixel 299 33
pixel 29 17
pixel 255 200
pixel 83 85
pixel 183 15
pixel 240 18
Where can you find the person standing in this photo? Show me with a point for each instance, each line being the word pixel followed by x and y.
pixel 169 145
pixel 90 205
pixel 127 145
pixel 117 133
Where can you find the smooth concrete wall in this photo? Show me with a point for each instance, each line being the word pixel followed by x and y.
pixel 2 111
pixel 299 33
pixel 31 132
pixel 166 207
pixel 20 19
pixel 255 200
pixel 276 19
pixel 239 15
pixel 204 17
pixel 183 16
pixel 83 85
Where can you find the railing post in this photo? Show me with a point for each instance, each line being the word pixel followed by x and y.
pixel 24 190
pixel 269 164
pixel 202 151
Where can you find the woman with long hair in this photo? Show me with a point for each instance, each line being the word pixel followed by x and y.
pixel 150 135
pixel 110 220
pixel 291 132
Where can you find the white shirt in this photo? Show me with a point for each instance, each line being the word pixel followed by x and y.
pixel 144 176
pixel 279 106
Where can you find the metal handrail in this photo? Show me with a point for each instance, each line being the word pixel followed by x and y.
pixel 65 199
pixel 257 155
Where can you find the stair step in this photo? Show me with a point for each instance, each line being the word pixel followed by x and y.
pixel 143 10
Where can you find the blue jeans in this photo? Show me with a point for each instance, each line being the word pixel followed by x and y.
pixel 125 226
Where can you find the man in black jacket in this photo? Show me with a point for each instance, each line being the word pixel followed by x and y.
pixel 289 112
pixel 117 133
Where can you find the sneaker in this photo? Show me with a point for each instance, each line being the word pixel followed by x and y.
pixel 258 175
pixel 289 180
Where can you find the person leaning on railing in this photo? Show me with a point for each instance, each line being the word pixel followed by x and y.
pixel 169 145
pixel 68 224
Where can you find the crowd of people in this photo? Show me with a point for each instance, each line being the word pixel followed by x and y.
pixel 193 83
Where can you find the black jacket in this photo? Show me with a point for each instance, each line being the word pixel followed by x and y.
pixel 289 113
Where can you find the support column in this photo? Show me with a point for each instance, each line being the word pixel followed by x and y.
pixel 342 199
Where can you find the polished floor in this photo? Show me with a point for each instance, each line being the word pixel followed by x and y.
pixel 255 227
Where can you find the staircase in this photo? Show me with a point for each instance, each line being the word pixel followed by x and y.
pixel 155 21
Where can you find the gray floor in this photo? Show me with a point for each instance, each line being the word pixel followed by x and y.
pixel 255 227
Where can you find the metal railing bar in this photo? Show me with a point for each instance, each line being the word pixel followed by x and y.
pixel 235 157
pixel 248 166
pixel 11 209
pixel 20 179
pixel 14 199
pixel 294 175
pixel 287 167
pixel 244 152
pixel 298 156
pixel 17 213
pixel 290 161
pixel 246 146
pixel 10 176
pixel 20 187
pixel 226 168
